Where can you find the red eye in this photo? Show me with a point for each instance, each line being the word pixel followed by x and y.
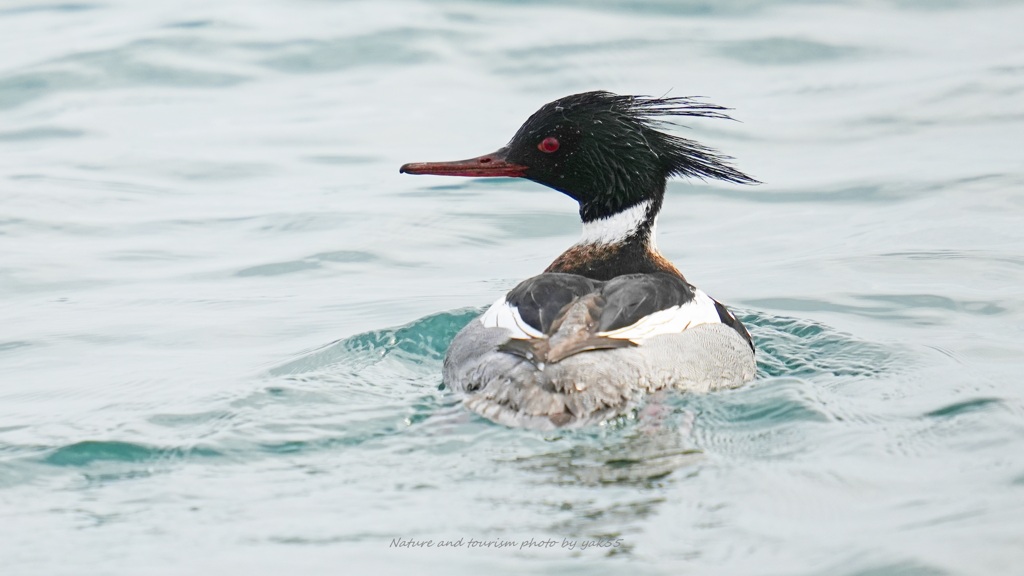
pixel 549 144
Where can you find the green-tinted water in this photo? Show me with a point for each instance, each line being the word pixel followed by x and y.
pixel 224 312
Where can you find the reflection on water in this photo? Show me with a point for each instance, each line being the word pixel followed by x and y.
pixel 224 311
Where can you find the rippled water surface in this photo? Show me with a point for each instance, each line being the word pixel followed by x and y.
pixel 224 312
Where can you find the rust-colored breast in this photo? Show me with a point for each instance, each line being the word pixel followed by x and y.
pixel 606 261
pixel 583 257
pixel 662 263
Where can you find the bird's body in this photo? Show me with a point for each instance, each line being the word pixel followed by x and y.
pixel 611 318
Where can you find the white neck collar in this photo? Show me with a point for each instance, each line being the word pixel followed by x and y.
pixel 617 227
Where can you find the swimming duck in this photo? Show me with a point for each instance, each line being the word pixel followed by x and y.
pixel 611 318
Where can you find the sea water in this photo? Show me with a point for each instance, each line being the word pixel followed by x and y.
pixel 224 312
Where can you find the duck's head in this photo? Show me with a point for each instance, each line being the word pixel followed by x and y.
pixel 602 149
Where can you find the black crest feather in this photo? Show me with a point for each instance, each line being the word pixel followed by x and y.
pixel 682 157
pixel 614 151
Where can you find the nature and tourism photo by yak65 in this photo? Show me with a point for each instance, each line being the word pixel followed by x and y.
pixel 656 287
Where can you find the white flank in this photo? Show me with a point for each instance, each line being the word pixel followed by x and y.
pixel 503 315
pixel 700 310
pixel 616 227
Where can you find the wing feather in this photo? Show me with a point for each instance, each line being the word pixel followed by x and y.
pixel 700 309
pixel 501 314
pixel 553 316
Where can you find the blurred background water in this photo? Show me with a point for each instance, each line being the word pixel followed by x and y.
pixel 223 310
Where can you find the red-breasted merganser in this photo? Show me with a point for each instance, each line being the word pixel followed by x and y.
pixel 611 318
